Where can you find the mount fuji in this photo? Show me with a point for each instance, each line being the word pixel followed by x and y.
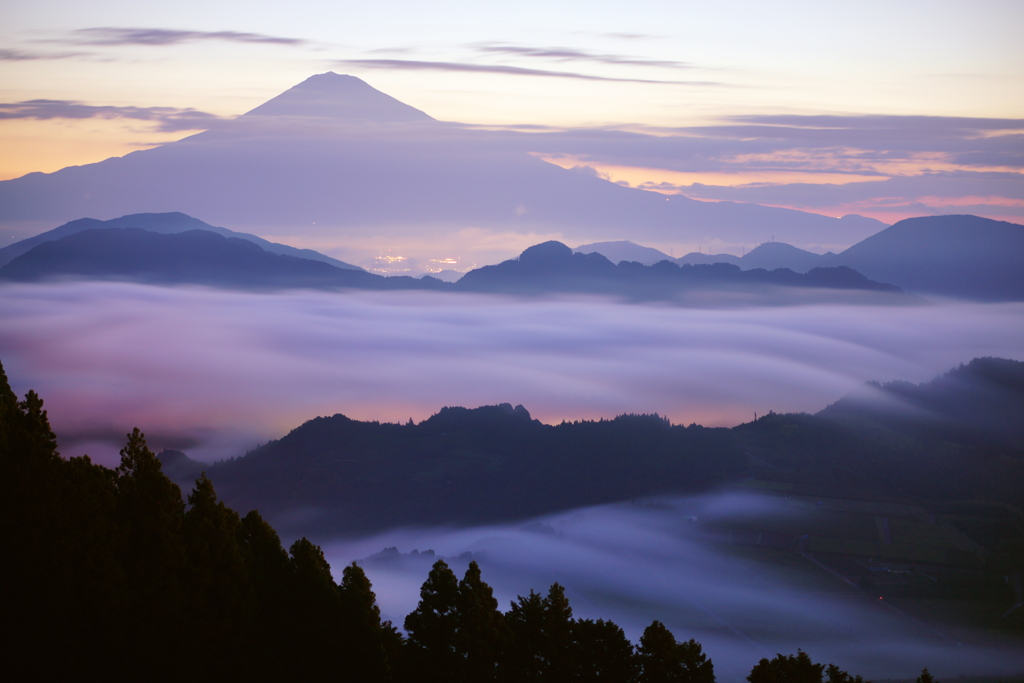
pixel 334 161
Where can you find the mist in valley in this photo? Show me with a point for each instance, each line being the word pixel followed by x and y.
pixel 644 560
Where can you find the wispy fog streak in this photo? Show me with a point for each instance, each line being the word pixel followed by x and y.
pixel 216 372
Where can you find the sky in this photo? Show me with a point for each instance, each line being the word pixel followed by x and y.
pixel 878 108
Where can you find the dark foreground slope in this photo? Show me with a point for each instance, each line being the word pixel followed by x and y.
pixel 465 466
pixel 191 257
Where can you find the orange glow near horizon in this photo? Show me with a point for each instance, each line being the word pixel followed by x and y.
pixel 31 146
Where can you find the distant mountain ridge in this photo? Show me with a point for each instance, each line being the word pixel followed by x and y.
pixel 208 258
pixel 167 223
pixel 957 255
pixel 769 256
pixel 554 267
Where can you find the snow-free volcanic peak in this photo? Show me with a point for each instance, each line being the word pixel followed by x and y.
pixel 337 96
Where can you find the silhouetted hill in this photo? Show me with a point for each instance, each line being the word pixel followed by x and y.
pixel 193 257
pixel 333 157
pixel 958 256
pixel 465 466
pixel 772 255
pixel 553 267
pixel 166 223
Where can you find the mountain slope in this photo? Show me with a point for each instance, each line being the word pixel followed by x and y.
pixel 960 256
pixel 308 163
pixel 338 97
pixel 983 400
pixel 166 223
pixel 958 437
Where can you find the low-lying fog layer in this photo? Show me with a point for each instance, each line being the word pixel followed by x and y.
pixel 636 563
pixel 215 372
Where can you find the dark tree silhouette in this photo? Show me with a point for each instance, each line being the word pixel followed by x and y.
pixel 796 668
pixel 150 512
pixel 602 653
pixel 221 598
pixel 433 628
pixel 363 634
pixel 664 660
pixel 482 635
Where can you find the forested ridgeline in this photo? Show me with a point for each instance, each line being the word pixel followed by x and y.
pixel 464 466
pixel 957 438
pixel 109 572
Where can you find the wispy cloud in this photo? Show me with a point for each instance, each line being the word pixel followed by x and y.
pixel 565 54
pixel 108 35
pixel 415 65
pixel 169 118
pixel 881 122
pixel 22 56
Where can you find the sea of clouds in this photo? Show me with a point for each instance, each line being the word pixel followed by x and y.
pixel 216 372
